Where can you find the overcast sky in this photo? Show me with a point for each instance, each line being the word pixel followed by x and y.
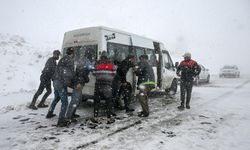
pixel 216 32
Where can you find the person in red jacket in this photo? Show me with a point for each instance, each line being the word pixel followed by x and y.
pixel 187 70
pixel 104 72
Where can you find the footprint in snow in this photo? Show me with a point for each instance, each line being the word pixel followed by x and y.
pixel 17 117
pixel 23 120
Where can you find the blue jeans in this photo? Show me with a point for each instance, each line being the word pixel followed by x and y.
pixel 60 93
pixel 74 103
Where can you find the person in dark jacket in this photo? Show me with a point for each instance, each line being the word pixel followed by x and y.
pixel 45 81
pixel 124 89
pixel 187 70
pixel 146 82
pixel 64 77
pixel 104 72
pixel 83 68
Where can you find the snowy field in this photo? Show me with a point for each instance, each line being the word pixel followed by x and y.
pixel 219 119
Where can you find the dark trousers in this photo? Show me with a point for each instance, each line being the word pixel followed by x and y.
pixel 115 91
pixel 103 92
pixel 44 83
pixel 186 90
pixel 125 92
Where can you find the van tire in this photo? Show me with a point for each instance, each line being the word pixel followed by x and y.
pixel 196 81
pixel 208 79
pixel 173 87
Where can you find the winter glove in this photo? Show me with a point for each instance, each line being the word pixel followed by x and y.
pixel 78 86
pixel 86 79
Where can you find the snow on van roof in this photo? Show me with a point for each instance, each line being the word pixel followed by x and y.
pixel 110 29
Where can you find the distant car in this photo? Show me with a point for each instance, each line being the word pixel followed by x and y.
pixel 204 76
pixel 229 71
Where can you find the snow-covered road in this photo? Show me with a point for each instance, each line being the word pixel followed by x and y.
pixel 219 118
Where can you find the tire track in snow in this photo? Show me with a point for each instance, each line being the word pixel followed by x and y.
pixel 108 135
pixel 228 93
pixel 173 119
pixel 165 120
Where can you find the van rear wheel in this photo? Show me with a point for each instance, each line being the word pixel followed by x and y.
pixel 196 81
pixel 208 79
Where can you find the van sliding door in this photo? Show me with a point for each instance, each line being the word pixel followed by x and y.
pixel 159 63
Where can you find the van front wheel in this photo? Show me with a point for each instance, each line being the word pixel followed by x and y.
pixel 173 88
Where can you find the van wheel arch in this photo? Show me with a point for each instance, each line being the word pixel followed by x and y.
pixel 173 87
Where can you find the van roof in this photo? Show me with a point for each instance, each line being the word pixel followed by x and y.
pixel 111 29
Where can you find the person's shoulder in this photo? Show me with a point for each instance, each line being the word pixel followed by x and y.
pixel 182 62
pixel 50 59
pixel 109 61
pixel 193 61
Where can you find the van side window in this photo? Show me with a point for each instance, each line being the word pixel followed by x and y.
pixel 118 52
pixel 151 56
pixel 89 51
pixel 139 51
pixel 168 64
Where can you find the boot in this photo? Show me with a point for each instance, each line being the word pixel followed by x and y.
pixel 62 122
pixel 32 107
pixel 42 106
pixel 74 120
pixel 181 107
pixel 50 115
pixel 75 116
pixel 111 114
pixel 129 110
pixel 110 120
pixel 143 114
pixel 94 120
pixel 187 106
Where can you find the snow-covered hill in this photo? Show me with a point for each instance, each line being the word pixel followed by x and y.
pixel 21 63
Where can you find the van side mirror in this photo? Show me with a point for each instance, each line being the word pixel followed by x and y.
pixel 168 66
pixel 176 64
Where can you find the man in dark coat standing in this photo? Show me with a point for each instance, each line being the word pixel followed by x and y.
pixel 187 70
pixel 45 81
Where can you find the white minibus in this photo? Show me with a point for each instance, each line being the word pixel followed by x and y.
pixel 119 45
